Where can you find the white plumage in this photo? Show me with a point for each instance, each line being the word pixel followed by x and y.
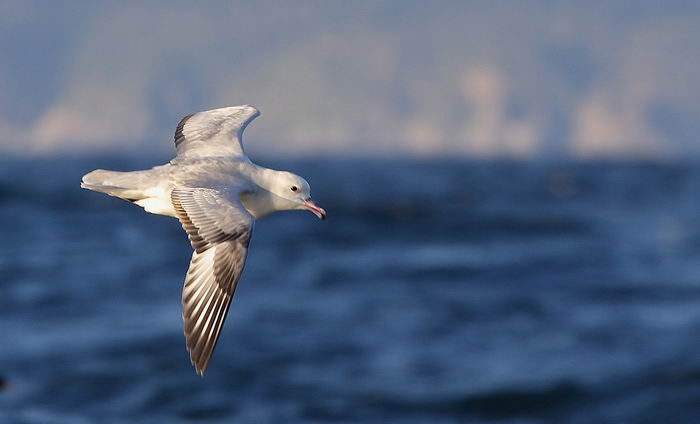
pixel 217 193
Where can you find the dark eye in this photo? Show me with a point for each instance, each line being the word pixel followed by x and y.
pixel 294 188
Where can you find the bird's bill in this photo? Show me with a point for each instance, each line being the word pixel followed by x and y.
pixel 316 210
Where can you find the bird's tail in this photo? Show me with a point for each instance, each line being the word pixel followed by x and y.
pixel 126 185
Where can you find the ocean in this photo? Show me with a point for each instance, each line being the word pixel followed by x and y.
pixel 437 291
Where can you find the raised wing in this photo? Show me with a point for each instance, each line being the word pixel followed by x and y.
pixel 216 132
pixel 219 230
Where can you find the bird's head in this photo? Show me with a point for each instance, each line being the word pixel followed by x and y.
pixel 295 192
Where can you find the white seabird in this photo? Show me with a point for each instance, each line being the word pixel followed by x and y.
pixel 217 193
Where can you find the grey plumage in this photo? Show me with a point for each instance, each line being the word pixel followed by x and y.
pixel 216 193
pixel 219 231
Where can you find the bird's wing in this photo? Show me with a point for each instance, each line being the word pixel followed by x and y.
pixel 216 132
pixel 219 229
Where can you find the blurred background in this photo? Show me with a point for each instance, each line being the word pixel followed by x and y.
pixel 512 190
pixel 479 78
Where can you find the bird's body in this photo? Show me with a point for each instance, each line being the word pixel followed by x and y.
pixel 216 192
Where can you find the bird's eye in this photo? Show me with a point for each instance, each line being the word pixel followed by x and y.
pixel 294 188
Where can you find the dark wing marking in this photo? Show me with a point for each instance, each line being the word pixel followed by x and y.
pixel 216 132
pixel 179 137
pixel 219 230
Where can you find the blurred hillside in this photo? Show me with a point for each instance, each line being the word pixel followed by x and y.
pixel 479 78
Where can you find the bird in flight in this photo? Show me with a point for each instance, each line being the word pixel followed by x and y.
pixel 217 193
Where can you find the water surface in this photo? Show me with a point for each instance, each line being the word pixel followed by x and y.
pixel 436 292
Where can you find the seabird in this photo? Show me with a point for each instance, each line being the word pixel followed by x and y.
pixel 217 193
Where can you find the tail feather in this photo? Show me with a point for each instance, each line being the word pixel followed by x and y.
pixel 127 185
pixel 148 189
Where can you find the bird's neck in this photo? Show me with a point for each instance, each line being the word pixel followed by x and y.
pixel 259 200
pixel 261 177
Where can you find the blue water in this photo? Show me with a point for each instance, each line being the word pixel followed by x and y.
pixel 436 292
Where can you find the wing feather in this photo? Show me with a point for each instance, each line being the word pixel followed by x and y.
pixel 219 230
pixel 216 132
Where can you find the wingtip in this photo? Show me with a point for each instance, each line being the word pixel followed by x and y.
pixel 200 366
pixel 251 109
pixel 200 370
